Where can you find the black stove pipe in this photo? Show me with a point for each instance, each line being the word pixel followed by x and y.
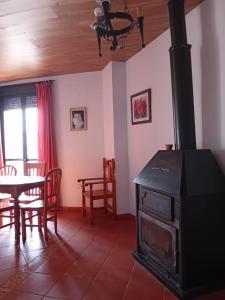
pixel 181 75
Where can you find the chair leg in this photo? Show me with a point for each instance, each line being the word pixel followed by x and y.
pixel 45 227
pixel 91 212
pixel 39 221
pixel 11 217
pixel 1 221
pixel 30 219
pixel 114 207
pixel 23 225
pixel 105 206
pixel 55 221
pixel 83 205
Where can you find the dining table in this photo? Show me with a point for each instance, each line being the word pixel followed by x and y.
pixel 15 185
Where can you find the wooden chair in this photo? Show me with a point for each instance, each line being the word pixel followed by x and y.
pixel 8 170
pixel 32 169
pixel 100 188
pixel 5 206
pixel 45 210
pixel 4 209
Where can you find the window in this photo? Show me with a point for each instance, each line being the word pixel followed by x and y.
pixel 19 125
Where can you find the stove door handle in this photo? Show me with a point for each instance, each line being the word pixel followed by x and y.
pixel 175 254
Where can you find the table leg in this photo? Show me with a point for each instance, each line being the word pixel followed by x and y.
pixel 17 219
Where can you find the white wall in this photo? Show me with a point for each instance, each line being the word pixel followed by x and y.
pixel 79 152
pixel 209 72
pixel 115 128
pixel 108 113
pixel 150 68
pixel 120 136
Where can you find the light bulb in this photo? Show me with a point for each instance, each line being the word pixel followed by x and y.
pixel 98 12
pixel 100 1
pixel 140 11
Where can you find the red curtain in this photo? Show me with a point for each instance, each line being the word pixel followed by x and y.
pixel 46 140
pixel 1 153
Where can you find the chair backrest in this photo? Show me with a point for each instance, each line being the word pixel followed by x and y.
pixel 109 169
pixel 8 170
pixel 34 168
pixel 52 186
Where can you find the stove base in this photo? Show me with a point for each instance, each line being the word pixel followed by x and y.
pixel 175 287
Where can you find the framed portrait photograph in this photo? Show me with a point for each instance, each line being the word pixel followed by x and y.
pixel 78 118
pixel 141 107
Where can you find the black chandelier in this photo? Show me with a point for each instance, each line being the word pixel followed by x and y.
pixel 104 28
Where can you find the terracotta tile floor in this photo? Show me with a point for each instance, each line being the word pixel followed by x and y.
pixel 83 262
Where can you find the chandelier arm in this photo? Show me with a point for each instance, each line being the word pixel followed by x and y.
pixel 117 32
pixel 115 41
pixel 112 30
pixel 121 15
pixel 98 33
pixel 141 27
pixel 106 6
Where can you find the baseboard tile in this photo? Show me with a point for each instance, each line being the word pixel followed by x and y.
pixel 79 209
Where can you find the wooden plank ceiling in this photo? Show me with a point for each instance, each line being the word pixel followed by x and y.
pixel 52 37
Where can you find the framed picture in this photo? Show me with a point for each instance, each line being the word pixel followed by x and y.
pixel 141 107
pixel 78 118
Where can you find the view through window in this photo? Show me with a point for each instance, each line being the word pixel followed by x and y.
pixel 20 130
pixel 15 154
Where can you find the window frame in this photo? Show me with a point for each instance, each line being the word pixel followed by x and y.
pixel 22 91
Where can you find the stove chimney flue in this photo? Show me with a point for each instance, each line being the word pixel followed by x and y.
pixel 181 76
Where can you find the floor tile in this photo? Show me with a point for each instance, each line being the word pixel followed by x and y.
pixel 144 286
pixel 22 296
pixel 12 261
pixel 9 250
pixel 55 267
pixel 36 284
pixel 72 285
pixel 7 275
pixel 169 295
pixel 109 289
pixel 50 298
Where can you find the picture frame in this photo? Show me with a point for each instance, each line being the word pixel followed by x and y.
pixel 141 107
pixel 78 118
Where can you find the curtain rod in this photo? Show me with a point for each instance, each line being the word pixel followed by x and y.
pixel 44 81
pixel 26 83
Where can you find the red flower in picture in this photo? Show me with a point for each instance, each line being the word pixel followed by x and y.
pixel 140 108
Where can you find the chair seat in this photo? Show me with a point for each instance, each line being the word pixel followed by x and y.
pixel 28 198
pixel 39 204
pixel 6 208
pixel 4 196
pixel 98 194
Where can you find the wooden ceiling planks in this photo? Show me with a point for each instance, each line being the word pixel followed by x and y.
pixel 53 37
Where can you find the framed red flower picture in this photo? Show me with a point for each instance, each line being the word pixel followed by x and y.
pixel 141 107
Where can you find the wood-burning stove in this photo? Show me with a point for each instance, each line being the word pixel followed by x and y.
pixel 180 220
pixel 180 194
